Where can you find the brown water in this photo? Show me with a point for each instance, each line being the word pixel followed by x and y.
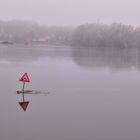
pixel 85 94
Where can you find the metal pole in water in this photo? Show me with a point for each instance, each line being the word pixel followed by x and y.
pixel 23 91
pixel 23 86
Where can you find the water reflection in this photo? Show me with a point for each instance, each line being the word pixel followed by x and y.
pixel 112 58
pixel 86 57
pixel 24 104
pixel 28 54
pixel 82 104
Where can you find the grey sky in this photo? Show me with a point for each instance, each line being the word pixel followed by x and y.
pixel 71 12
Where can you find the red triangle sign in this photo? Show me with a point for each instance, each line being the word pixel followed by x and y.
pixel 24 78
pixel 24 105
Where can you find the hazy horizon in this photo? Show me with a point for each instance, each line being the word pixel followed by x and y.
pixel 84 71
pixel 74 12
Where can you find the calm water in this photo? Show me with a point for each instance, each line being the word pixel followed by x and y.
pixel 85 94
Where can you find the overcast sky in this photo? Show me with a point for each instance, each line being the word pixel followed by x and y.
pixel 72 12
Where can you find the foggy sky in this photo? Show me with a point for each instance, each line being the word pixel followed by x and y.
pixel 71 12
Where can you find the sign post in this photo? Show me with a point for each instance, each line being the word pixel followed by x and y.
pixel 23 86
pixel 24 79
pixel 23 90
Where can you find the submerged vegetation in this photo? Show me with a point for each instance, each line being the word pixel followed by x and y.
pixel 114 35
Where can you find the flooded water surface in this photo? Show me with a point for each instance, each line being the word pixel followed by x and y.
pixel 83 93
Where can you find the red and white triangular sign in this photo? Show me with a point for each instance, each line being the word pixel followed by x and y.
pixel 24 78
pixel 24 105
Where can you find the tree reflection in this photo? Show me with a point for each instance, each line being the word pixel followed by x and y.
pixel 107 57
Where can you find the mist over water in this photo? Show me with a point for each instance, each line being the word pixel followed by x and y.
pixel 82 59
pixel 93 93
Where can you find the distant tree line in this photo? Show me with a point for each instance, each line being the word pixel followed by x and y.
pixel 114 35
pixel 30 32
